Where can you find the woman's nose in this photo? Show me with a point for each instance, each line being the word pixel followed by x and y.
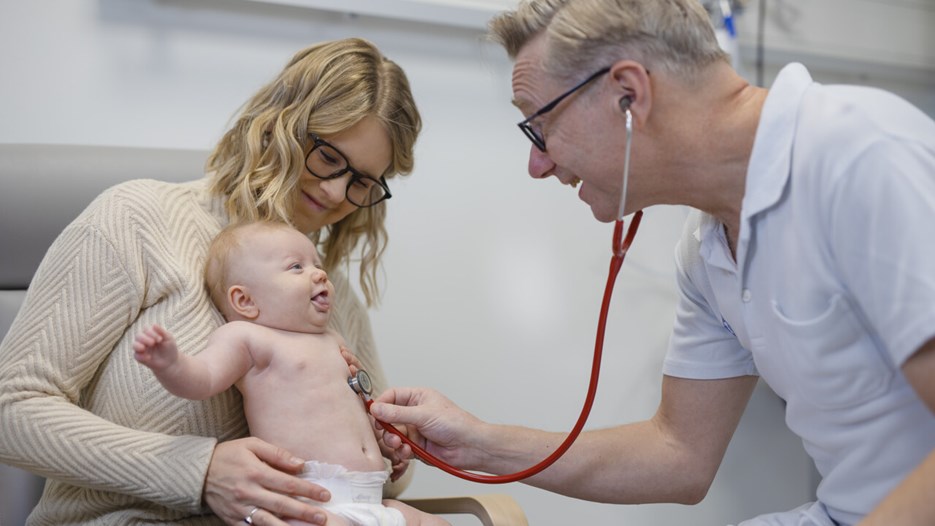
pixel 335 189
pixel 540 164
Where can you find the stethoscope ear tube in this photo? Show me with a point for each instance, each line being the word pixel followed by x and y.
pixel 626 166
pixel 619 251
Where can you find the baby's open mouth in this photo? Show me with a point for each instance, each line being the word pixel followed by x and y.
pixel 321 299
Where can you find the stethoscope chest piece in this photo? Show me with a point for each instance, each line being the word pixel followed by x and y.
pixel 360 383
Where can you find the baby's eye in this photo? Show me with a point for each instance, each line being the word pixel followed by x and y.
pixel 295 266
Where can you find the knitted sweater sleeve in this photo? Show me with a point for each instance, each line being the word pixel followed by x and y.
pixel 80 307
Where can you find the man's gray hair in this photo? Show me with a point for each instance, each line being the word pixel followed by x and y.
pixel 586 35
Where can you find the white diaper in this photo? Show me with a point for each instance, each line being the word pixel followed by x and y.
pixel 355 495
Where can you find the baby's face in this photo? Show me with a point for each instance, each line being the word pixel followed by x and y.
pixel 281 271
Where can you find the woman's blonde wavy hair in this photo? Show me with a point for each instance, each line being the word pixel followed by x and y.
pixel 325 89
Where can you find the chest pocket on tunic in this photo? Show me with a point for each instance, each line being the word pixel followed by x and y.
pixel 832 361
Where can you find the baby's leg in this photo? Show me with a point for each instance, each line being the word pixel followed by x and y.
pixel 413 516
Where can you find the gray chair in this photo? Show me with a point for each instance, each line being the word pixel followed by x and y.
pixel 44 187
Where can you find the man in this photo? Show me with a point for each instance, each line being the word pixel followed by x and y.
pixel 809 262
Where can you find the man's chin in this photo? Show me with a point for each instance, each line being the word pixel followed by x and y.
pixel 603 215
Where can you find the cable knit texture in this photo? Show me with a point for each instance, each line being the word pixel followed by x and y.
pixel 76 407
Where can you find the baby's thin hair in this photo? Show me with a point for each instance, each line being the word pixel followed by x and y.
pixel 217 265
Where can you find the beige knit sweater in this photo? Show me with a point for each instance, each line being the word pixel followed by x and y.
pixel 75 406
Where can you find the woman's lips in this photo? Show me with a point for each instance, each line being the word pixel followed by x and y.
pixel 315 203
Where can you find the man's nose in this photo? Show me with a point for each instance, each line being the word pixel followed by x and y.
pixel 540 164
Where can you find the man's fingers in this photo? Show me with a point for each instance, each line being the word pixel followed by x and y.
pixel 398 414
pixel 399 396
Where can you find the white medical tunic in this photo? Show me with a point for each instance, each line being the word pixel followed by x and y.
pixel 833 286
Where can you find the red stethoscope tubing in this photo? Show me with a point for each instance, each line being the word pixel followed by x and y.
pixel 619 250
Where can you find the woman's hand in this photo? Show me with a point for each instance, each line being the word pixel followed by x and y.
pixel 248 473
pixel 353 364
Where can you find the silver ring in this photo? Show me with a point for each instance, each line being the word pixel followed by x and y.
pixel 249 518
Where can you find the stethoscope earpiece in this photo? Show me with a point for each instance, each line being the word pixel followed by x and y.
pixel 625 103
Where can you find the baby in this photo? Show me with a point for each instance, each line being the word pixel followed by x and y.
pixel 266 278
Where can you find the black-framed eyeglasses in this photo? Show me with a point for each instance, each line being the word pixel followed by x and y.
pixel 535 135
pixel 324 161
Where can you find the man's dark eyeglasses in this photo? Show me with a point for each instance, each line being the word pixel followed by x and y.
pixel 324 161
pixel 536 135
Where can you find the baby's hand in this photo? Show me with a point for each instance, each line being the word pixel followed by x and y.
pixel 399 458
pixel 155 348
pixel 399 469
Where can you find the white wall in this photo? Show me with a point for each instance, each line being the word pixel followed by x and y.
pixel 887 44
pixel 492 279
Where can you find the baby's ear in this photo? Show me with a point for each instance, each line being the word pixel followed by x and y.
pixel 242 303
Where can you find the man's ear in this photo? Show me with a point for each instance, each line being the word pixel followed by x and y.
pixel 242 303
pixel 633 91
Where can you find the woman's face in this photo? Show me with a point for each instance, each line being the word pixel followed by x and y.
pixel 320 202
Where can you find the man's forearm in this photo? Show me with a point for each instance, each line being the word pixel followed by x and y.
pixel 911 503
pixel 671 458
pixel 628 464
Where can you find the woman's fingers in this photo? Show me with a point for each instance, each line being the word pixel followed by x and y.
pixel 352 362
pixel 274 456
pixel 258 516
pixel 249 473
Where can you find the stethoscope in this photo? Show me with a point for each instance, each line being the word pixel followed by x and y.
pixel 361 384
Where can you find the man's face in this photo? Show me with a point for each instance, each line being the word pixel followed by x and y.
pixel 577 132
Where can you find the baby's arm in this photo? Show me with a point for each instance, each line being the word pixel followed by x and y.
pixel 214 370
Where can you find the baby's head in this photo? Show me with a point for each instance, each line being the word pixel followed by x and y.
pixel 269 273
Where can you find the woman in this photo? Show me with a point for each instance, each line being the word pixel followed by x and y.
pixel 314 147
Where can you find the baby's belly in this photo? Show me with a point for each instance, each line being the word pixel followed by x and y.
pixel 335 430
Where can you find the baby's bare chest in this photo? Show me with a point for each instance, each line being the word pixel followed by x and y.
pixel 304 356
